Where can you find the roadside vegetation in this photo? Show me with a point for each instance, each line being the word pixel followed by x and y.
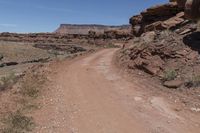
pixel 18 123
pixel 29 89
pixel 111 45
pixel 8 81
pixel 169 75
pixel 194 81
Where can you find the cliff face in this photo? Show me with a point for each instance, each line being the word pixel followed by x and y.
pixel 84 29
pixel 159 17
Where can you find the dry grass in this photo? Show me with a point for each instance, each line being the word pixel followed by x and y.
pixel 20 52
pixel 8 81
pixel 111 45
pixel 17 123
pixel 29 88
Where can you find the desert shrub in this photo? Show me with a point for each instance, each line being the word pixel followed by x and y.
pixel 194 81
pixel 30 88
pixel 8 81
pixel 111 45
pixel 169 75
pixel 166 33
pixel 17 123
pixel 55 53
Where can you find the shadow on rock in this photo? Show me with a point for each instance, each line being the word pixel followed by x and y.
pixel 193 41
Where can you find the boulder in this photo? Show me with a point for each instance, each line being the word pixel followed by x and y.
pixel 192 9
pixel 173 84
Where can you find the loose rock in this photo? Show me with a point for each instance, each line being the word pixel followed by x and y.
pixel 173 84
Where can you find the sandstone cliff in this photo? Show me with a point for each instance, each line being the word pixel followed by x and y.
pixel 84 29
pixel 160 17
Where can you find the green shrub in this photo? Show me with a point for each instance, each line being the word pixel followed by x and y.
pixel 169 75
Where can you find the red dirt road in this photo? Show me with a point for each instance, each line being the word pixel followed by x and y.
pixel 88 95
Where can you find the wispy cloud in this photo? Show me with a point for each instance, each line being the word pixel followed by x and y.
pixel 54 9
pixel 8 25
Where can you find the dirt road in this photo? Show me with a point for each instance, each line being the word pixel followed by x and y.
pixel 88 95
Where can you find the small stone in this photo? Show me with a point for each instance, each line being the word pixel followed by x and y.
pixel 173 84
pixel 178 109
pixel 137 99
pixel 195 109
pixel 168 122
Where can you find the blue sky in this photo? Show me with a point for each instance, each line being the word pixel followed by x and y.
pixel 47 15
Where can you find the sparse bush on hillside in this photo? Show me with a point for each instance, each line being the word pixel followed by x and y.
pixel 28 90
pixel 194 81
pixel 17 123
pixel 169 75
pixel 166 33
pixel 7 81
pixel 111 45
pixel 31 87
pixel 55 53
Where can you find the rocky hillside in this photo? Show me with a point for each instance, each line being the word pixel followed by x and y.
pixel 165 51
pixel 84 29
pixel 167 46
pixel 167 16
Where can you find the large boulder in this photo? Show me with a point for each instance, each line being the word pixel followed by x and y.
pixel 192 8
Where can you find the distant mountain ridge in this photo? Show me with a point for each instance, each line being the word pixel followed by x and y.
pixel 85 28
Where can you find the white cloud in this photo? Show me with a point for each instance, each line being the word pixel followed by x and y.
pixel 8 25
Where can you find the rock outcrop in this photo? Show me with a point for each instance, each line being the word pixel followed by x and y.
pixel 164 54
pixel 120 34
pixel 192 8
pixel 159 17
pixel 172 15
